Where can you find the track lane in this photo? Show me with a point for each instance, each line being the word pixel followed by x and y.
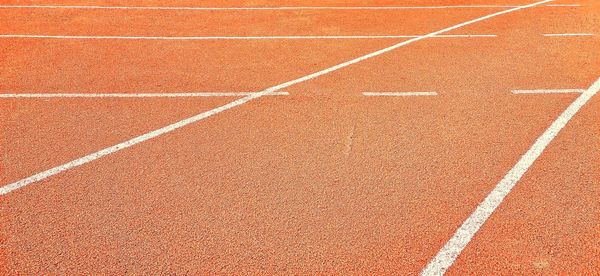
pixel 255 23
pixel 146 67
pixel 298 202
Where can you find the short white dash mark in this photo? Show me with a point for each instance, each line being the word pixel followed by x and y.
pixel 398 94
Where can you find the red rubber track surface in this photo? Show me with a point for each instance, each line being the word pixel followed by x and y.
pixel 324 180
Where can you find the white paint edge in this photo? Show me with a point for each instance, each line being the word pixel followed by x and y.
pixel 571 34
pixel 255 8
pixel 31 36
pixel 398 94
pixel 452 249
pixel 135 95
pixel 91 157
pixel 548 91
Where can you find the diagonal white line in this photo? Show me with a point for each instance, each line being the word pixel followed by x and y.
pixel 448 254
pixel 99 154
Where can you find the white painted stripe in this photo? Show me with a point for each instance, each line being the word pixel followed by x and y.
pixel 564 5
pixel 448 254
pixel 571 34
pixel 548 91
pixel 110 150
pixel 398 94
pixel 398 45
pixel 88 158
pixel 257 8
pixel 134 95
pixel 235 37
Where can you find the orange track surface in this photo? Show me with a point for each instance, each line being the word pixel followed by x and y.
pixel 324 180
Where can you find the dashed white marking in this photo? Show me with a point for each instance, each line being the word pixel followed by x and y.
pixel 259 8
pixel 135 95
pixel 236 37
pixel 398 94
pixel 448 254
pixel 569 34
pixel 548 91
pixel 99 154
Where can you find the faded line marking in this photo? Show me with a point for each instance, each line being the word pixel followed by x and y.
pixel 136 95
pixel 35 36
pixel 452 249
pixel 86 159
pixel 398 94
pixel 548 91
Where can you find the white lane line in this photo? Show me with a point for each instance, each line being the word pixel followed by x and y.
pixel 547 91
pixel 135 95
pixel 448 254
pixel 236 37
pixel 91 157
pixel 110 150
pixel 398 94
pixel 569 34
pixel 401 44
pixel 258 8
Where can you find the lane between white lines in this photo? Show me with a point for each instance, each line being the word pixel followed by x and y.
pixel 35 36
pixel 398 94
pixel 136 95
pixel 465 233
pixel 167 129
pixel 547 91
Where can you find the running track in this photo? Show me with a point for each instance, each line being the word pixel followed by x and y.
pixel 278 137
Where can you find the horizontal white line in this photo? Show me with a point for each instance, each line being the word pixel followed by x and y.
pixel 572 34
pixel 563 5
pixel 548 91
pixel 136 95
pixel 255 8
pixel 398 94
pixel 235 37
